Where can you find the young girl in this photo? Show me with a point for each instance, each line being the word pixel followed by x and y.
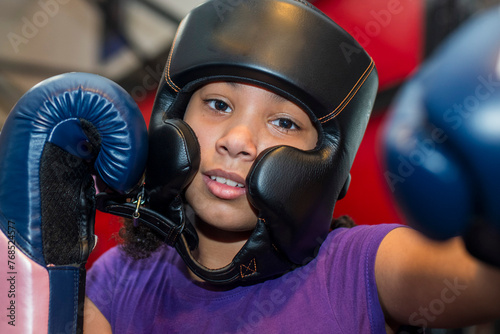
pixel 278 97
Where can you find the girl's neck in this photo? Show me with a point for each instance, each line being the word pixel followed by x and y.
pixel 217 248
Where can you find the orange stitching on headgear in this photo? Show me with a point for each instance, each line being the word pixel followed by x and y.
pixel 250 269
pixel 168 79
pixel 351 94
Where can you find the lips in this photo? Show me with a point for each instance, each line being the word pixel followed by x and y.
pixel 224 185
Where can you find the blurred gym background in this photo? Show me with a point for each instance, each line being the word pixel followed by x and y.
pixel 128 41
pixel 121 40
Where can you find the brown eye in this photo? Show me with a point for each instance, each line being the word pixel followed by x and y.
pixel 219 105
pixel 285 123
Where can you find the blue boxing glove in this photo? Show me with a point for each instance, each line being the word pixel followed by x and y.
pixel 442 141
pixel 59 134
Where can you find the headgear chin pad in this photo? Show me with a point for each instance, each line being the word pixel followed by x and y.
pixel 292 49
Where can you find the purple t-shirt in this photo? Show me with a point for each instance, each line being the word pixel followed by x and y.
pixel 334 293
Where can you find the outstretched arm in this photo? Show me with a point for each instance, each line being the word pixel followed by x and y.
pixel 433 284
pixel 94 321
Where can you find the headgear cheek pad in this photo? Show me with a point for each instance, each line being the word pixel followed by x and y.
pixel 292 49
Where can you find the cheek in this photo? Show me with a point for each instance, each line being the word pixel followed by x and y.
pixel 204 134
pixel 193 195
pixel 205 143
pixel 309 139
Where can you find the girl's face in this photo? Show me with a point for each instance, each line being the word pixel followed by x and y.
pixel 234 122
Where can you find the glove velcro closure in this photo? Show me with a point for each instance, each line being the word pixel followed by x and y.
pixel 66 232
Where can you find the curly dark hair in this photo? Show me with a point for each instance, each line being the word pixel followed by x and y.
pixel 139 241
pixel 342 221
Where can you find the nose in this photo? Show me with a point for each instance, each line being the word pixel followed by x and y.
pixel 239 141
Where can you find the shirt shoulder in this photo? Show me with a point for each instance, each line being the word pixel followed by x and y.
pixel 119 285
pixel 346 265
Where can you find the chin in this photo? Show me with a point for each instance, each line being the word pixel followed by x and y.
pixel 230 217
pixel 228 220
pixel 230 224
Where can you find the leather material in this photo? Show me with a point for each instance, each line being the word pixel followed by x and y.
pixel 166 228
pixel 413 169
pixel 305 57
pixel 308 183
pixel 442 141
pixel 26 287
pixel 173 160
pixel 58 134
pixel 280 62
pixel 28 128
pixel 66 308
pixel 256 261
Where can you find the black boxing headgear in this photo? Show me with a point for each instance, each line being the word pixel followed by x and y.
pixel 292 49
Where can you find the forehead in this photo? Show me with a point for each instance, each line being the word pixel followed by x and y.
pixel 245 87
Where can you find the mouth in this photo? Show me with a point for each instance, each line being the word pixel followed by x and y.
pixel 228 182
pixel 225 185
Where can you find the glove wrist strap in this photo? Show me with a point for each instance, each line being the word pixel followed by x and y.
pixel 168 230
